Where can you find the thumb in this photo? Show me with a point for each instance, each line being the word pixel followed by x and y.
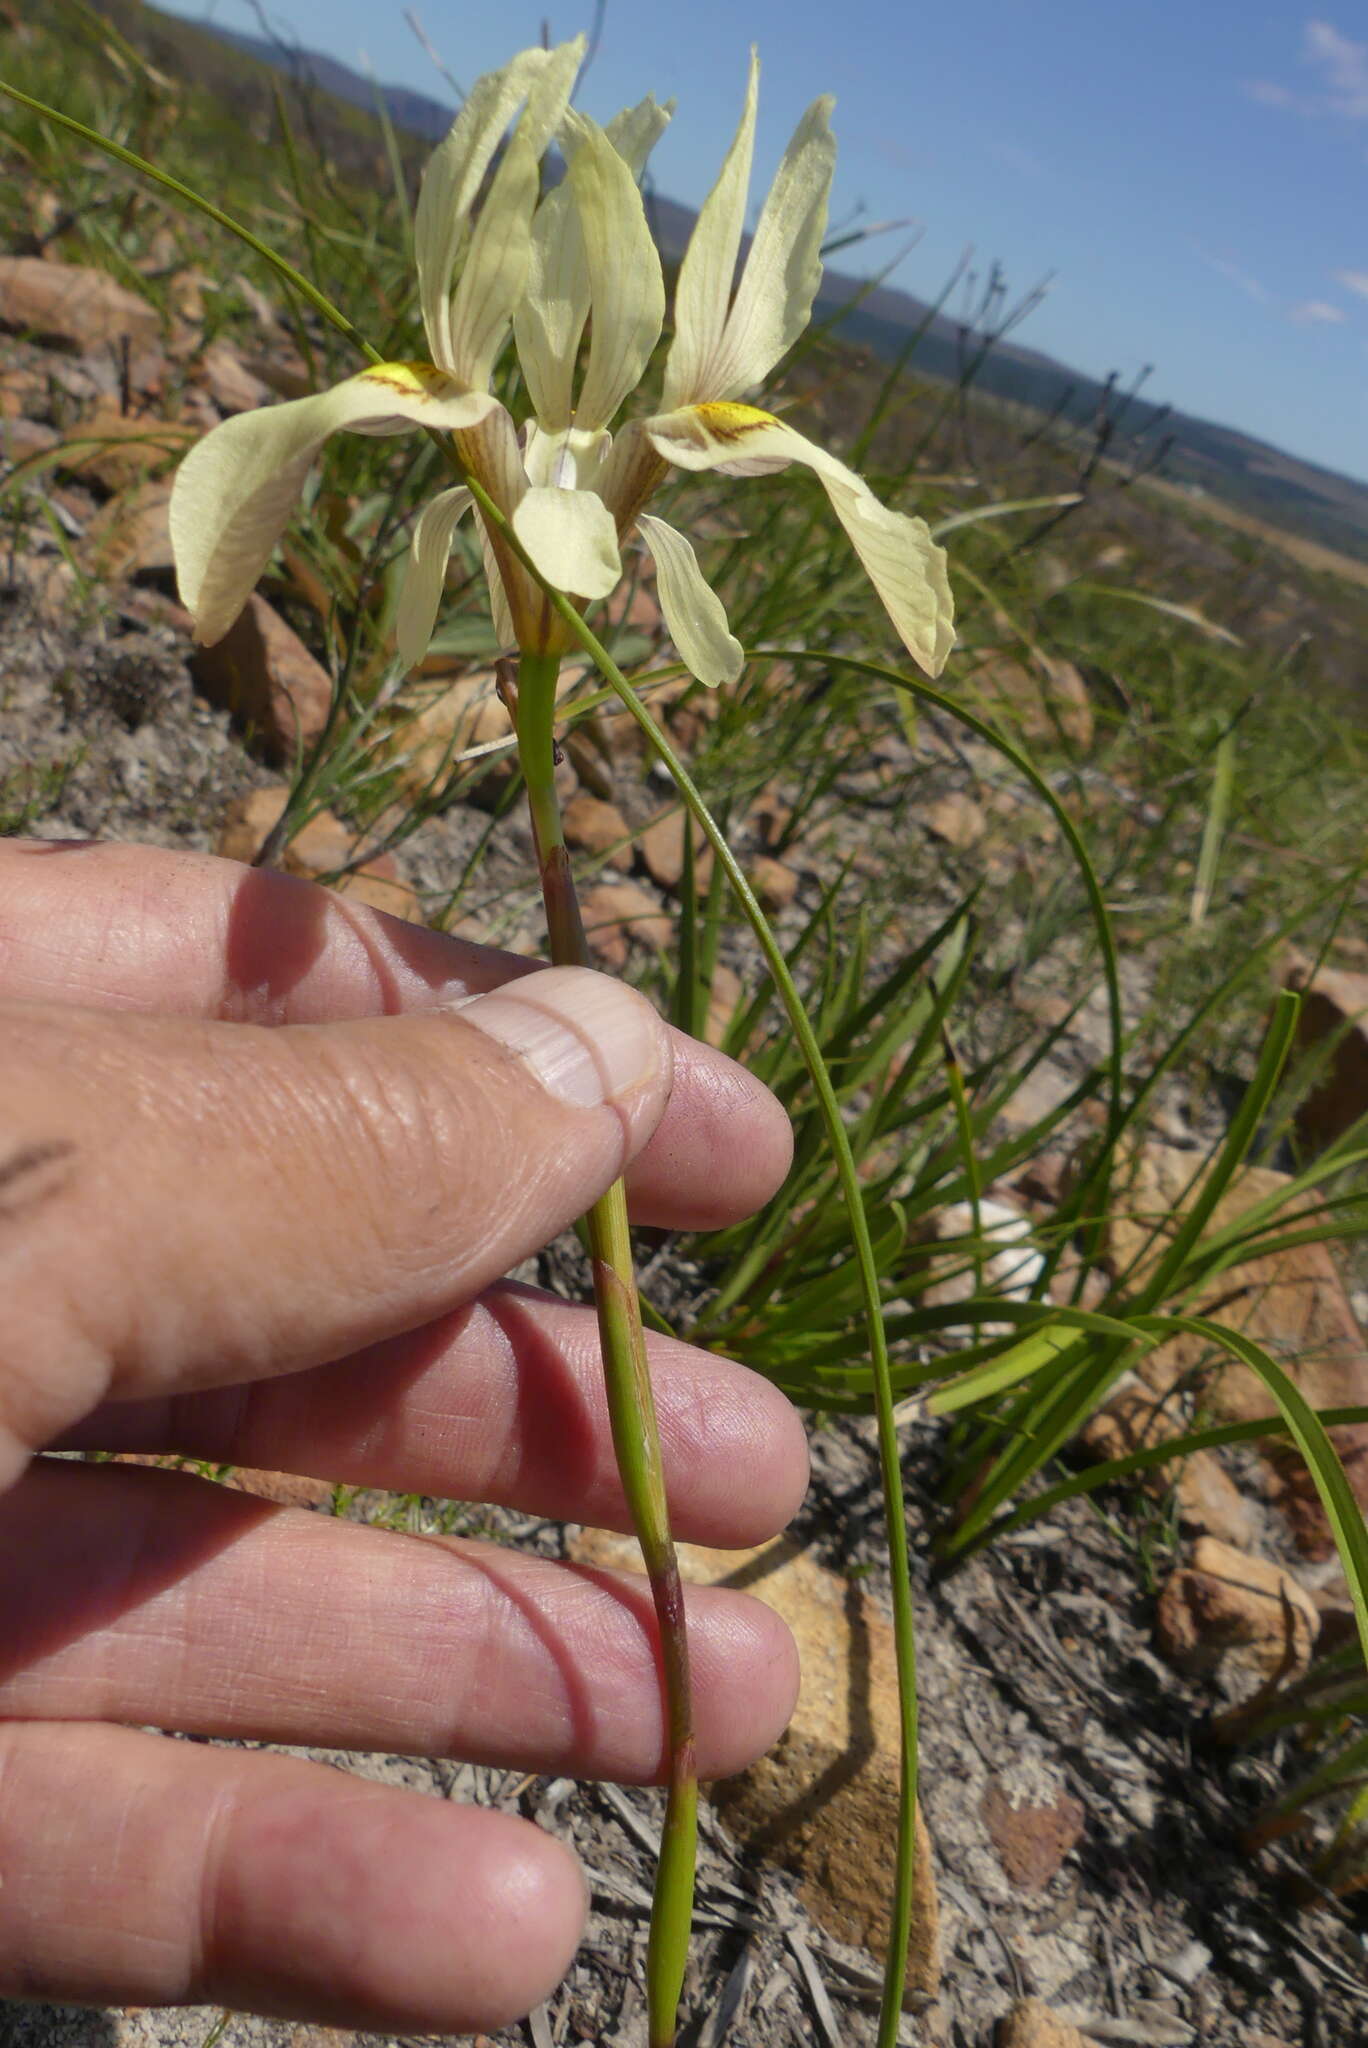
pixel 186 1204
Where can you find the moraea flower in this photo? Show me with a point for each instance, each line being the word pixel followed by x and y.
pixel 235 491
pixel 580 259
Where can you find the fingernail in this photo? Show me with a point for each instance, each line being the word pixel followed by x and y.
pixel 587 1039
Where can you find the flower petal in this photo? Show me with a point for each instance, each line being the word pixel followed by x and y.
pixel 425 573
pixel 627 291
pixel 550 318
pixel 236 489
pixel 691 607
pixel 703 293
pixel 635 132
pixel 784 267
pixel 899 556
pixel 494 273
pixel 457 167
pixel 572 538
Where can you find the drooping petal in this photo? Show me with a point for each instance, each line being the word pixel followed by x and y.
pixel 773 301
pixel 425 572
pixel 703 293
pixel 899 556
pixel 691 608
pixel 626 289
pixel 236 489
pixel 456 170
pixel 572 538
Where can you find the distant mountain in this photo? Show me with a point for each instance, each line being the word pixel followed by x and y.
pixel 1248 474
pixel 414 112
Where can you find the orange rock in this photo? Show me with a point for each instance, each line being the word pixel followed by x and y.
pixel 1208 1498
pixel 463 714
pixel 229 382
pixel 1042 702
pixel 1292 1302
pixel 319 848
pixel 131 535
pixel 119 449
pixel 596 826
pixel 1031 2024
pixel 263 673
pixel 1237 1616
pixel 956 819
pixel 661 846
pixel 824 1801
pixel 774 882
pixel 1334 1015
pixel 617 913
pixel 1032 1830
pixel 69 302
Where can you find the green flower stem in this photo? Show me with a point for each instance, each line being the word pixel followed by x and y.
pixel 631 1405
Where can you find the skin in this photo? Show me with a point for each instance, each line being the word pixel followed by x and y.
pixel 258 1178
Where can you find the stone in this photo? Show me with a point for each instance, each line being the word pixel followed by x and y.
pixel 1010 1266
pixel 1041 702
pixel 263 673
pixel 1033 1827
pixel 774 882
pixel 1031 2024
pixel 956 819
pixel 824 1802
pixel 462 714
pixel 724 997
pixel 120 449
pixel 1334 1018
pixel 319 848
pixel 229 382
pixel 71 303
pixel 131 536
pixel 1207 1497
pixel 1237 1617
pixel 661 847
pixel 1292 1302
pixel 618 914
pixel 594 825
pixel 634 605
pixel 20 438
pixel 770 817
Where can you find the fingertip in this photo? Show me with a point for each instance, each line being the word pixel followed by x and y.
pixel 723 1148
pixel 749 1678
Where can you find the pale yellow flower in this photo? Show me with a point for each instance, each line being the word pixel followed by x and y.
pixel 580 257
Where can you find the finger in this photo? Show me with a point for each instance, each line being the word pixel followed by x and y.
pixel 502 1401
pixel 189 1876
pixel 157 1597
pixel 184 934
pixel 186 1204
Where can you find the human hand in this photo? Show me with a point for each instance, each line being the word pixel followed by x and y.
pixel 280 1247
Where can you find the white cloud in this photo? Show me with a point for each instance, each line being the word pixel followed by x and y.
pixel 1355 281
pixel 1317 313
pixel 1232 272
pixel 1341 67
pixel 1344 65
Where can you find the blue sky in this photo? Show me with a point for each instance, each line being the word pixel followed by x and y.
pixel 1191 173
